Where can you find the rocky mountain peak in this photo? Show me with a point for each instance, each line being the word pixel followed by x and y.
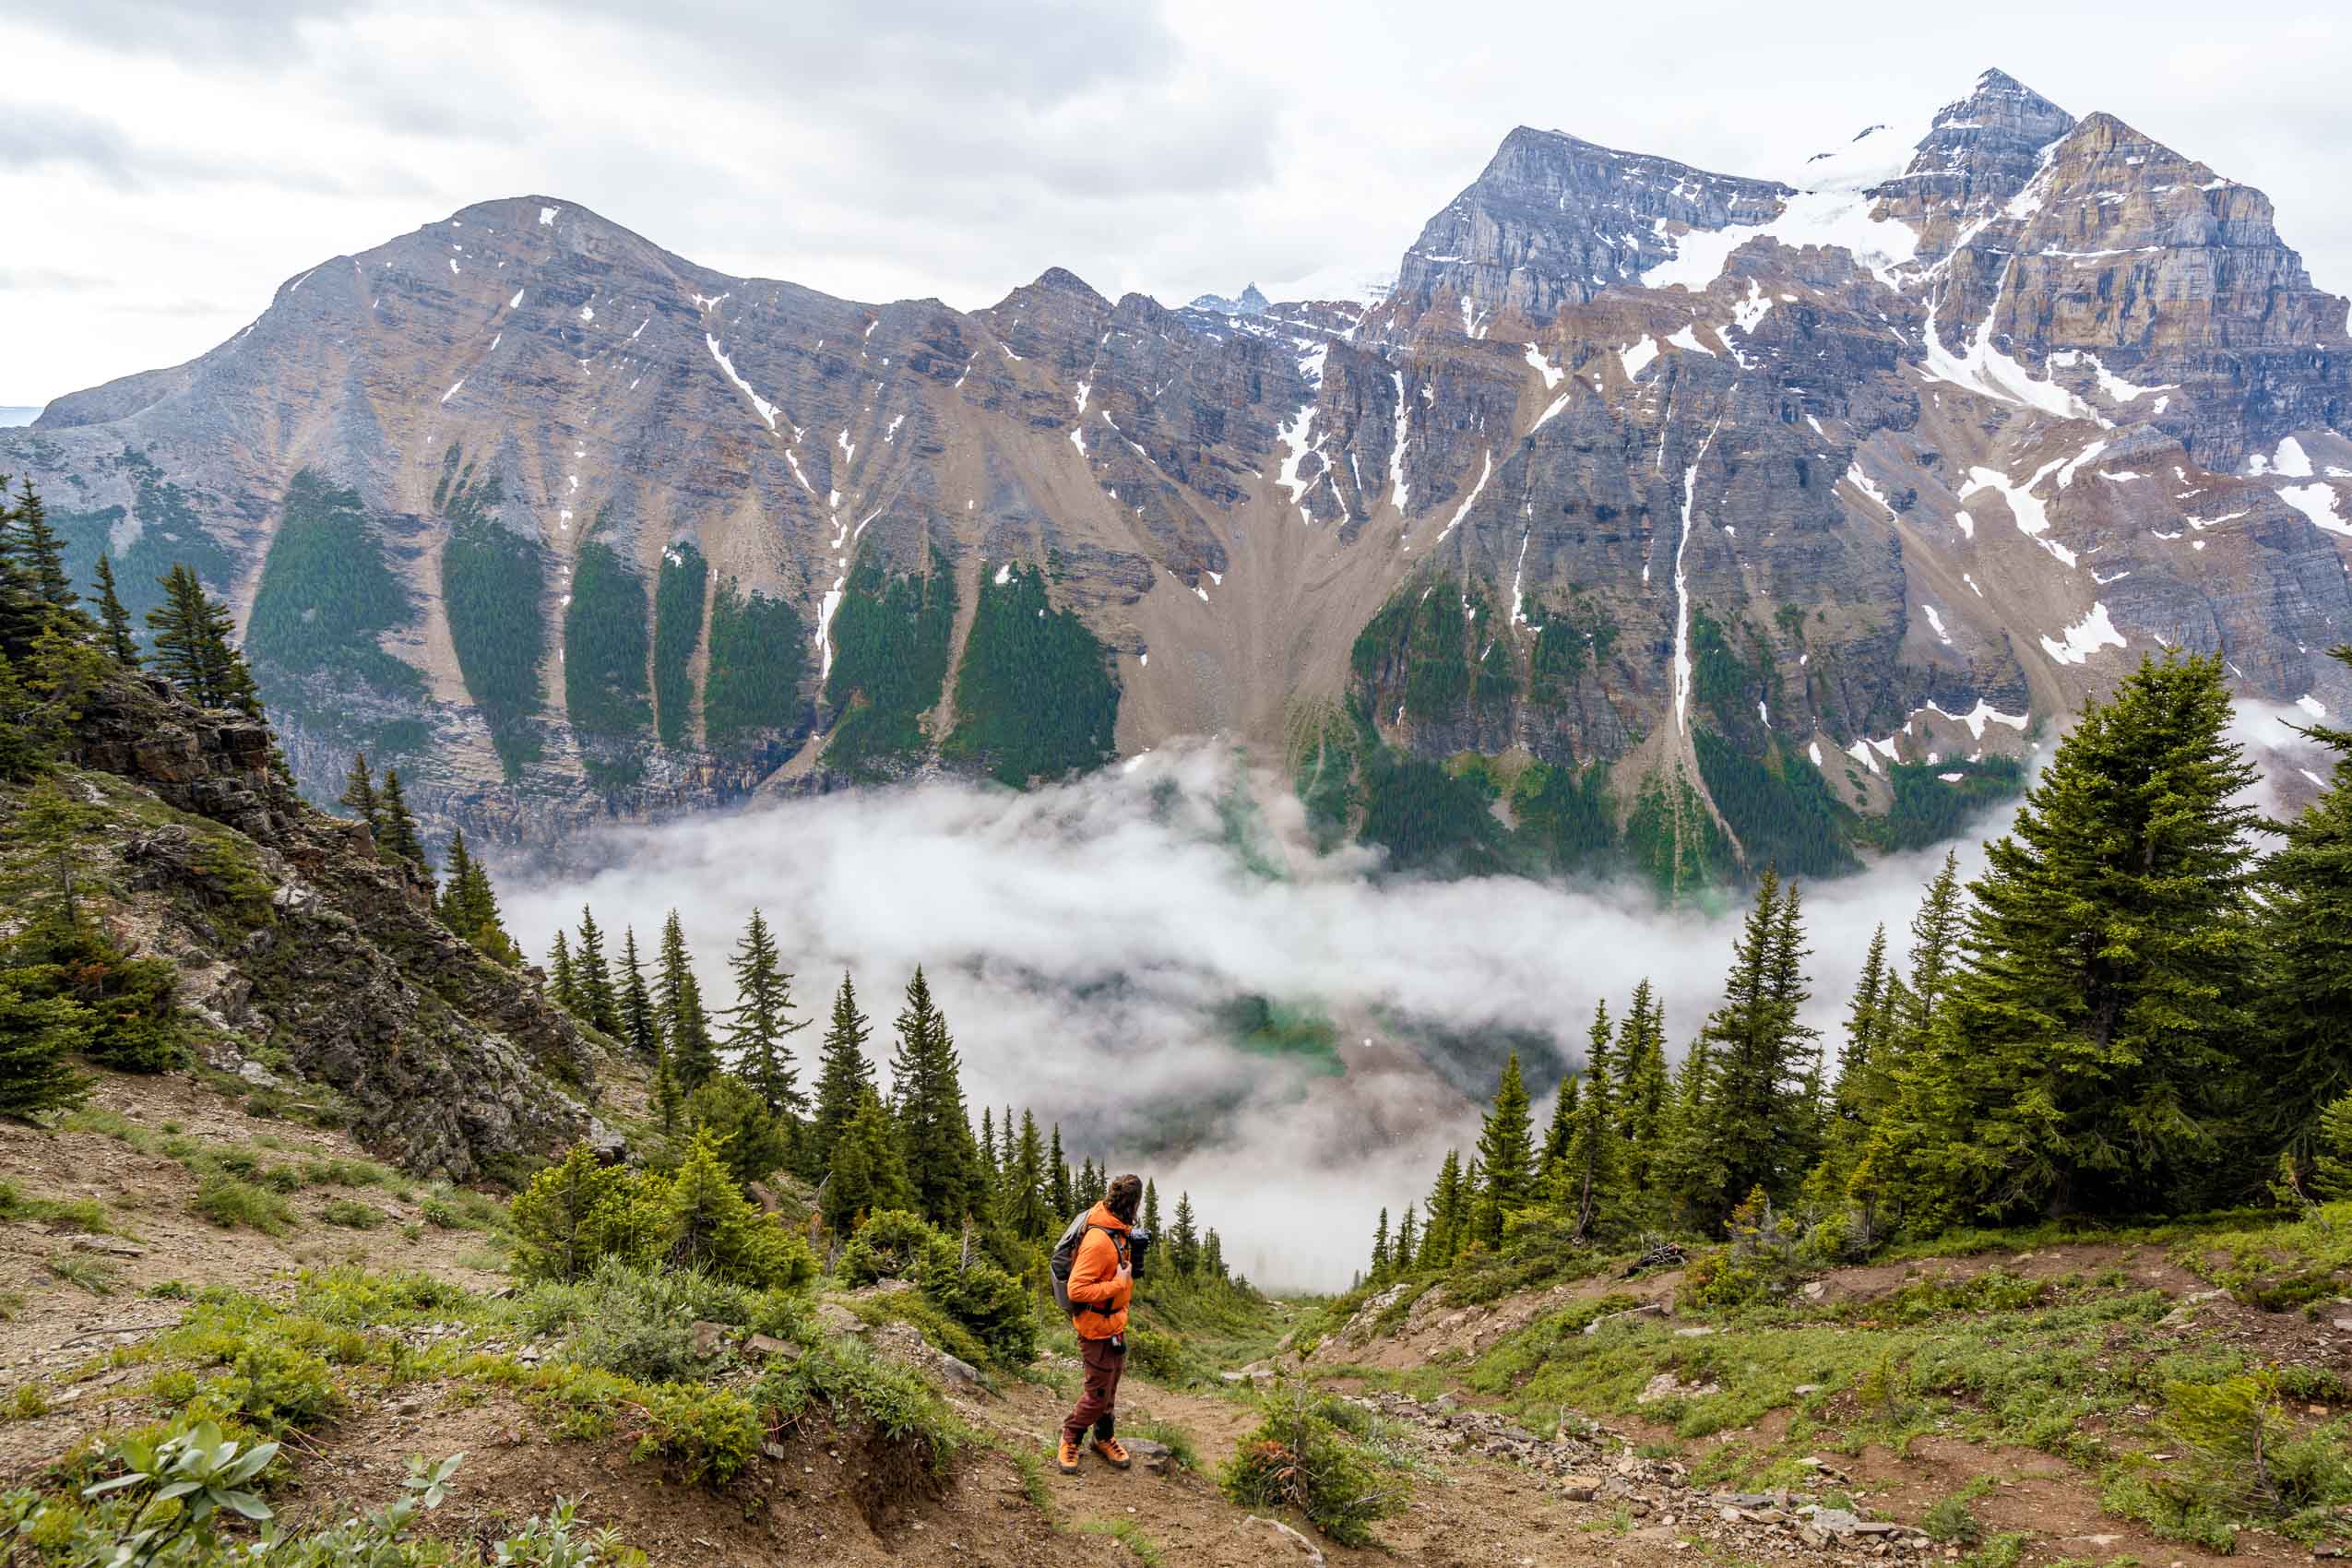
pixel 1249 301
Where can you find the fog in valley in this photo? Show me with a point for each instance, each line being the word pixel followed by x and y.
pixel 1101 949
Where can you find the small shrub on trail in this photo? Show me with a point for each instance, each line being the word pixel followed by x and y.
pixel 2245 1462
pixel 1299 1459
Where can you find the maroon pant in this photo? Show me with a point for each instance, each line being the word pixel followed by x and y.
pixel 1103 1362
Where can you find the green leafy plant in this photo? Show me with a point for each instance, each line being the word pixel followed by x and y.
pixel 1300 1457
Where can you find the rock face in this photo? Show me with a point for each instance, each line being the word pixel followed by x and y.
pixel 290 932
pixel 1771 518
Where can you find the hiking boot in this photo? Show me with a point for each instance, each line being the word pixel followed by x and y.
pixel 1111 1449
pixel 1068 1458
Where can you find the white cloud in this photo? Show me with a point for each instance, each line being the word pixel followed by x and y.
pixel 960 149
pixel 1084 939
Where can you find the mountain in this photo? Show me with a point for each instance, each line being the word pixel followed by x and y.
pixel 1250 302
pixel 1655 515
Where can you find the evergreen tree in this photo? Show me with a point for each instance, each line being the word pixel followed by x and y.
pixel 1553 1160
pixel 1861 1091
pixel 677 999
pixel 1185 1242
pixel 1151 1204
pixel 1753 1116
pixel 1407 1249
pixel 996 1168
pixel 1058 1172
pixel 1641 1098
pixel 763 1021
pixel 1381 1261
pixel 193 646
pixel 592 978
pixel 562 988
pixel 843 1074
pixel 934 1129
pixel 2306 1061
pixel 113 620
pixel 868 1173
pixel 359 794
pixel 1686 1164
pixel 669 1096
pixel 639 1028
pixel 1443 1238
pixel 1097 1187
pixel 1588 1176
pixel 1213 1257
pixel 37 1034
pixel 2088 1056
pixel 399 837
pixel 1507 1155
pixel 1936 933
pixel 1031 1209
pixel 469 906
pixel 38 550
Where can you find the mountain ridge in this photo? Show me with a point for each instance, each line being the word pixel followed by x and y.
pixel 1774 431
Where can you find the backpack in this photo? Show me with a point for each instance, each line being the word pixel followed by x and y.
pixel 1065 1257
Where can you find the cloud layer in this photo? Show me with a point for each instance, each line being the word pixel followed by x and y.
pixel 1088 943
pixel 203 150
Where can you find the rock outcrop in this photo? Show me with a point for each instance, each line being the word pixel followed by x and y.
pixel 292 936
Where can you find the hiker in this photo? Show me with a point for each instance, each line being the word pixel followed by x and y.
pixel 1103 1281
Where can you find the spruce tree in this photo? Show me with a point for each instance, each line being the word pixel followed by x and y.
pixel 685 1027
pixel 1151 1204
pixel 1443 1238
pixel 592 978
pixel 1553 1159
pixel 194 647
pixel 843 1074
pixel 1643 1083
pixel 1030 1207
pixel 995 1167
pixel 639 1028
pixel 1381 1261
pixel 39 550
pixel 934 1129
pixel 399 837
pixel 1755 1114
pixel 1504 1153
pixel 2305 1060
pixel 113 620
pixel 669 1096
pixel 1212 1257
pixel 1408 1249
pixel 1936 933
pixel 1588 1177
pixel 2091 1052
pixel 1058 1172
pixel 469 906
pixel 1185 1242
pixel 37 1034
pixel 1686 1172
pixel 562 986
pixel 868 1173
pixel 763 1021
pixel 359 794
pixel 1861 1091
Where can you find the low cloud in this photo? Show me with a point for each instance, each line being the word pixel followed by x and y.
pixel 1089 942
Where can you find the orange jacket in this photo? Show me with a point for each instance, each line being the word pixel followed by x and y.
pixel 1094 1277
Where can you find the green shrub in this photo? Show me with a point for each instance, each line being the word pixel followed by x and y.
pixel 1298 1457
pixel 985 1301
pixel 895 1402
pixel 351 1214
pixel 126 1007
pixel 232 1201
pixel 2243 1462
pixel 1181 1450
pixel 276 1387
pixel 576 1213
pixel 709 1433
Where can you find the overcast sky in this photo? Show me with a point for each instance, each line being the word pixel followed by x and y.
pixel 165 164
